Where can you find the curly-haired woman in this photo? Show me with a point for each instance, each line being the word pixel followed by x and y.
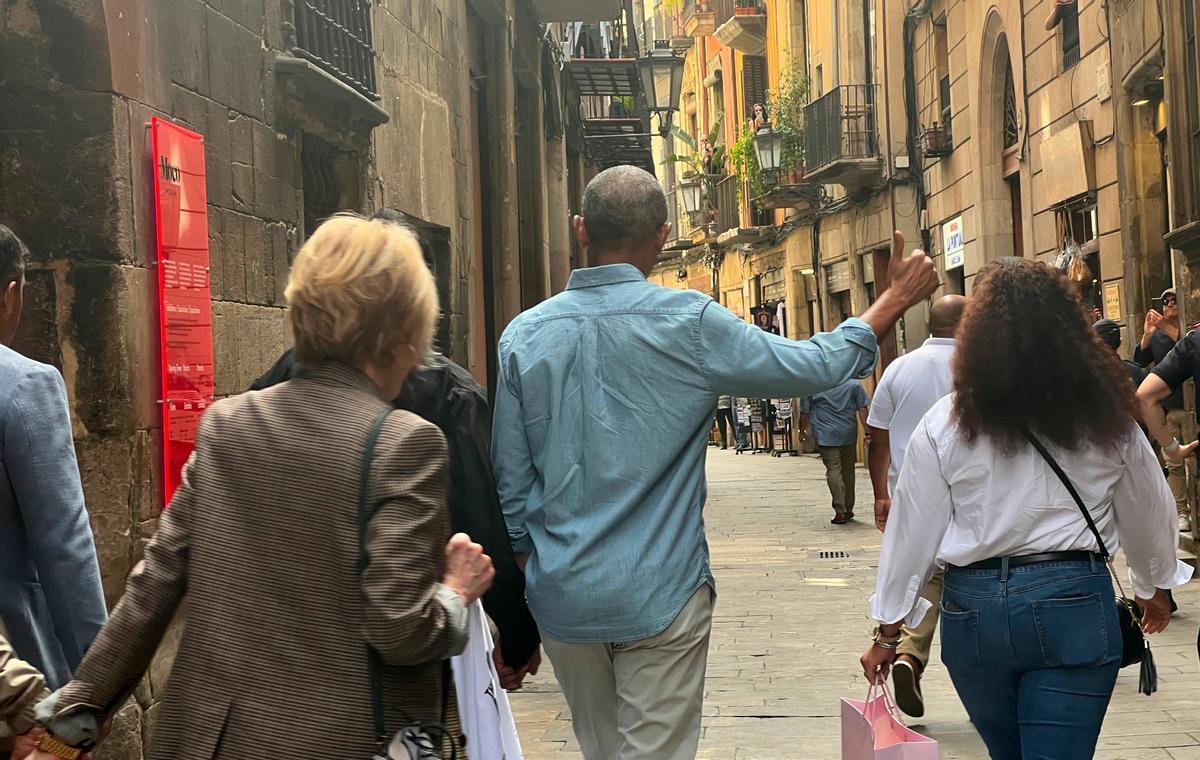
pixel 1030 633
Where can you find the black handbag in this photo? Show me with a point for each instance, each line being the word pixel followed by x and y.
pixel 1134 646
pixel 419 740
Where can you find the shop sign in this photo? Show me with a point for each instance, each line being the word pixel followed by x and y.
pixel 1112 301
pixel 837 277
pixel 184 296
pixel 954 243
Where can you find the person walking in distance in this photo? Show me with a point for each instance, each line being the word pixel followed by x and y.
pixel 727 422
pixel 1160 332
pixel 910 387
pixel 50 592
pixel 834 416
pixel 603 491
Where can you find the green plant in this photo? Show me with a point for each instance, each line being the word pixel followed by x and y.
pixel 785 107
pixel 743 160
pixel 695 164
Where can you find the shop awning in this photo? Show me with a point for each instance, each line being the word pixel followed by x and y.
pixel 576 10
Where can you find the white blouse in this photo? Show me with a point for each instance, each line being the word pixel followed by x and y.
pixel 957 503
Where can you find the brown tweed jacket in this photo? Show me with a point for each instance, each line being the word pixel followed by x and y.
pixel 262 537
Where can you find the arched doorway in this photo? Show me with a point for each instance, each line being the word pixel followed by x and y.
pixel 1001 132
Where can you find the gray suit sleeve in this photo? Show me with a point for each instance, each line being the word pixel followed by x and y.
pixel 39 455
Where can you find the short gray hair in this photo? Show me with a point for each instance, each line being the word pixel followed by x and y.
pixel 621 204
pixel 14 256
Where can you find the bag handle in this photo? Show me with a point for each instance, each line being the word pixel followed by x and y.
pixel 880 686
pixel 1087 515
pixel 373 661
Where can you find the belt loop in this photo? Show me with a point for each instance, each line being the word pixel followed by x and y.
pixel 1092 560
pixel 1004 569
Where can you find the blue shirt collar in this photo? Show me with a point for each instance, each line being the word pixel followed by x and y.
pixel 939 341
pixel 606 275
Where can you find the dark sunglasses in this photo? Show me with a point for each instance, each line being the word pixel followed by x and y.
pixel 1170 301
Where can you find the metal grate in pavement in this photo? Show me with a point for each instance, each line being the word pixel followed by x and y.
pixel 838 554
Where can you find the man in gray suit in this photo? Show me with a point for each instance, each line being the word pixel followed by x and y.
pixel 50 594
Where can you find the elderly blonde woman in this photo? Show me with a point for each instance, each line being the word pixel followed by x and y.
pixel 263 538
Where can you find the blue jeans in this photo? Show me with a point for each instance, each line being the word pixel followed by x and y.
pixel 1033 652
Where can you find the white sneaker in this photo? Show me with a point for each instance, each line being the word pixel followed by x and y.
pixel 1185 524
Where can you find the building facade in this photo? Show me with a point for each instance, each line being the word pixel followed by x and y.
pixel 978 129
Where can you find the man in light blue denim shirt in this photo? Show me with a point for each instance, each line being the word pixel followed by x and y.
pixel 605 399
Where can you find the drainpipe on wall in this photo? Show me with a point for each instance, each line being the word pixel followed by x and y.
pixel 816 265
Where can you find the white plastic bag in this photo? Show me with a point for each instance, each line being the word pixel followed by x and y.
pixel 483 708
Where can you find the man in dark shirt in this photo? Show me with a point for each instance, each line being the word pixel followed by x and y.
pixel 1160 333
pixel 1110 333
pixel 1168 376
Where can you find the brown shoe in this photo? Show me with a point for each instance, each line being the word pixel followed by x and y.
pixel 839 519
pixel 906 681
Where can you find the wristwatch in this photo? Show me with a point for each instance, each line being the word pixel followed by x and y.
pixel 884 641
pixel 54 746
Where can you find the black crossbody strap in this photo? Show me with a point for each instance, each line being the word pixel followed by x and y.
pixel 374 664
pixel 364 483
pixel 1087 516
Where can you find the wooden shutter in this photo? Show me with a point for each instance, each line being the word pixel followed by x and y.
pixel 754 82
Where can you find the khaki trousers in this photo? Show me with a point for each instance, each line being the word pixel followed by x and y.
pixel 917 641
pixel 1179 424
pixel 639 700
pixel 839 474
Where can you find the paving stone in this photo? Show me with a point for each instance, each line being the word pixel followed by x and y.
pixel 789 627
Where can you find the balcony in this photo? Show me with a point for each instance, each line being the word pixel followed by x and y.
pixel 746 28
pixel 726 211
pixel 601 64
pixel 841 145
pixel 698 20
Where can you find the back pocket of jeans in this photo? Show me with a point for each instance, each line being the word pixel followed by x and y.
pixel 960 639
pixel 1072 631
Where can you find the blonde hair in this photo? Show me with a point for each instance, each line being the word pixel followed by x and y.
pixel 359 292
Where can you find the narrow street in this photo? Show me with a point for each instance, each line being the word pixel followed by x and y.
pixel 791 622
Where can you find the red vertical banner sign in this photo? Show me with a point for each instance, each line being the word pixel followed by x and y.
pixel 184 296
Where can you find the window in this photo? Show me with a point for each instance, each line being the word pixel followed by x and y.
pixel 1068 19
pixel 336 35
pixel 941 54
pixel 754 82
pixel 820 80
pixel 1081 224
pixel 1012 125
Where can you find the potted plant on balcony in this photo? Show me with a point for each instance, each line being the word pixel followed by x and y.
pixel 785 106
pixel 785 115
pixel 705 161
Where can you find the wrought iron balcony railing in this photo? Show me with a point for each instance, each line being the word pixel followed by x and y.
pixel 728 211
pixel 841 125
pixel 336 36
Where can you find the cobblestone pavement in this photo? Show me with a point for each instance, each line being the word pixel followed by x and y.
pixel 789 627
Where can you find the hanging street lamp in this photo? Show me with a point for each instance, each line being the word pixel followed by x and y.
pixel 692 190
pixel 768 145
pixel 661 71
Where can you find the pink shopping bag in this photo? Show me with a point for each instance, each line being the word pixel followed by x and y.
pixel 873 730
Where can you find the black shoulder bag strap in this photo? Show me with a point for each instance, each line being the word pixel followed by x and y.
pixel 1087 515
pixel 374 664
pixel 364 483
